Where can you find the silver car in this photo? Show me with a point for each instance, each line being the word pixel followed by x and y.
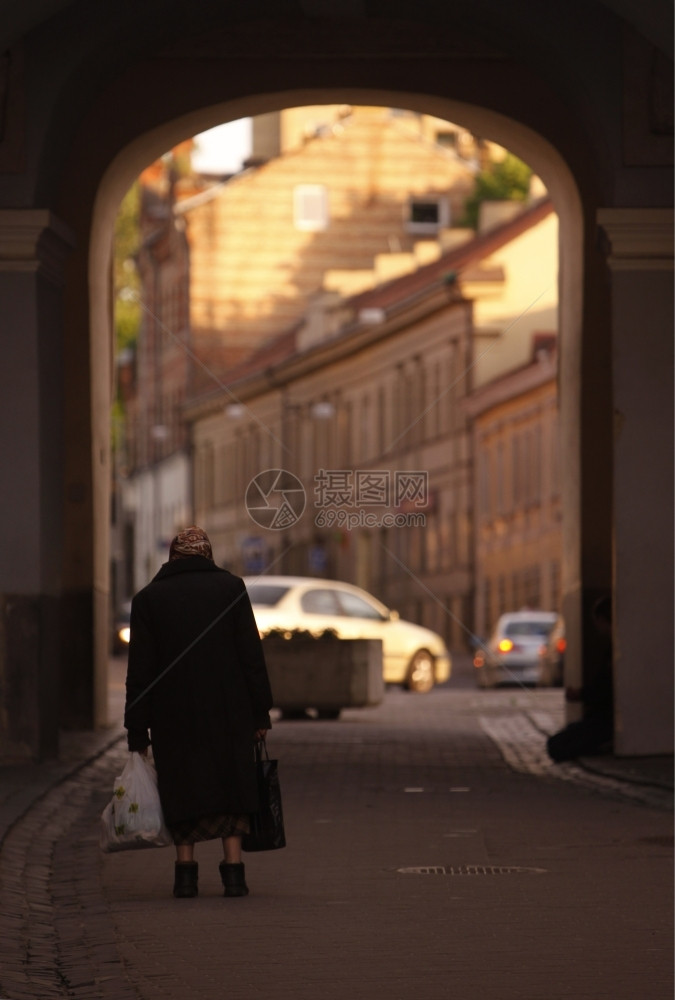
pixel 511 654
pixel 414 657
pixel 552 656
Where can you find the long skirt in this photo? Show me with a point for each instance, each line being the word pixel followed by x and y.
pixel 209 828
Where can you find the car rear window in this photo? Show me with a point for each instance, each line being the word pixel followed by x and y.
pixel 266 594
pixel 538 628
pixel 320 602
pixel 355 607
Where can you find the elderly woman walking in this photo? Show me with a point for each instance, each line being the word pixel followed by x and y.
pixel 197 689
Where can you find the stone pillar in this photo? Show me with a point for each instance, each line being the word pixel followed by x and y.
pixel 33 250
pixel 640 258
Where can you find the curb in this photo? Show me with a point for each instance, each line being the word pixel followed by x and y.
pixel 608 771
pixel 49 776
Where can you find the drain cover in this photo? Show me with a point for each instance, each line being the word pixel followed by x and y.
pixel 471 870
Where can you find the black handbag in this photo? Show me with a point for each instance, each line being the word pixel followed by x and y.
pixel 267 825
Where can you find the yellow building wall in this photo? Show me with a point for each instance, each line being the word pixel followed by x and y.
pixel 507 314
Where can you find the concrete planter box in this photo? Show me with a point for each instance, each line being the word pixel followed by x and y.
pixel 325 674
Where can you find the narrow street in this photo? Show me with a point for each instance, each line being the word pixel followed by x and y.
pixel 432 853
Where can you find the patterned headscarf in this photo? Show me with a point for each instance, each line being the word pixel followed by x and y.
pixel 190 542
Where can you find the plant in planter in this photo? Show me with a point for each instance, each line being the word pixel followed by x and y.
pixel 299 633
pixel 322 672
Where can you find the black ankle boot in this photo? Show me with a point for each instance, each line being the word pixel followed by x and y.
pixel 185 881
pixel 234 879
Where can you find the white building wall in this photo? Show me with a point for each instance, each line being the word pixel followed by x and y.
pixel 157 502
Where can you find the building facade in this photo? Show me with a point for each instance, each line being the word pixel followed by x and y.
pixel 379 449
pixel 517 509
pixel 344 198
pixel 380 389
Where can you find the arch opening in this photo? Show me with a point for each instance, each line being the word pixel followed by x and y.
pixel 544 159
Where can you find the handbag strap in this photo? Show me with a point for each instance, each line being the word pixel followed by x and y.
pixel 259 746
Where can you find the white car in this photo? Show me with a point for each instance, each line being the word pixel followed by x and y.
pixel 414 657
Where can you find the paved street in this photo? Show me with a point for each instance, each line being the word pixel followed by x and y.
pixel 432 853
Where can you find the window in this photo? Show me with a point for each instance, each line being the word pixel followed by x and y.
pixel 517 471
pixel 427 215
pixel 487 604
pixel 228 472
pixel 527 458
pixel 320 602
pixel 241 480
pixel 266 594
pixel 555 584
pixel 555 453
pixel 344 434
pixel 515 589
pixel 533 587
pixel 382 442
pixel 433 380
pixel 253 460
pixel 419 400
pixel 484 506
pixel 447 397
pixel 536 627
pixel 499 478
pixel 536 464
pixel 448 138
pixel 205 484
pixel 431 561
pixel 310 208
pixel 355 607
pixel 501 594
pixel 362 447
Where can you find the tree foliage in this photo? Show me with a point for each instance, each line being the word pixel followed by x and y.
pixel 505 180
pixel 126 244
pixel 127 310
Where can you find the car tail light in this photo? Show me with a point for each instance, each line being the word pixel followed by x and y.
pixel 478 660
pixel 505 646
pixel 561 645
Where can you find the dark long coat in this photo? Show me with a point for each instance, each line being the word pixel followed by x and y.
pixel 197 680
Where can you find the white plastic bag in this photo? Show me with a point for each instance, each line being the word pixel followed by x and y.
pixel 133 818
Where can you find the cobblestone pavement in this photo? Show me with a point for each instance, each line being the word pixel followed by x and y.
pixel 433 852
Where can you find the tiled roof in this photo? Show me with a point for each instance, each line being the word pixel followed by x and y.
pixel 210 381
pixel 272 352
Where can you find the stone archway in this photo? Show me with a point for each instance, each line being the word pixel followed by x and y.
pixel 540 154
pixel 115 99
